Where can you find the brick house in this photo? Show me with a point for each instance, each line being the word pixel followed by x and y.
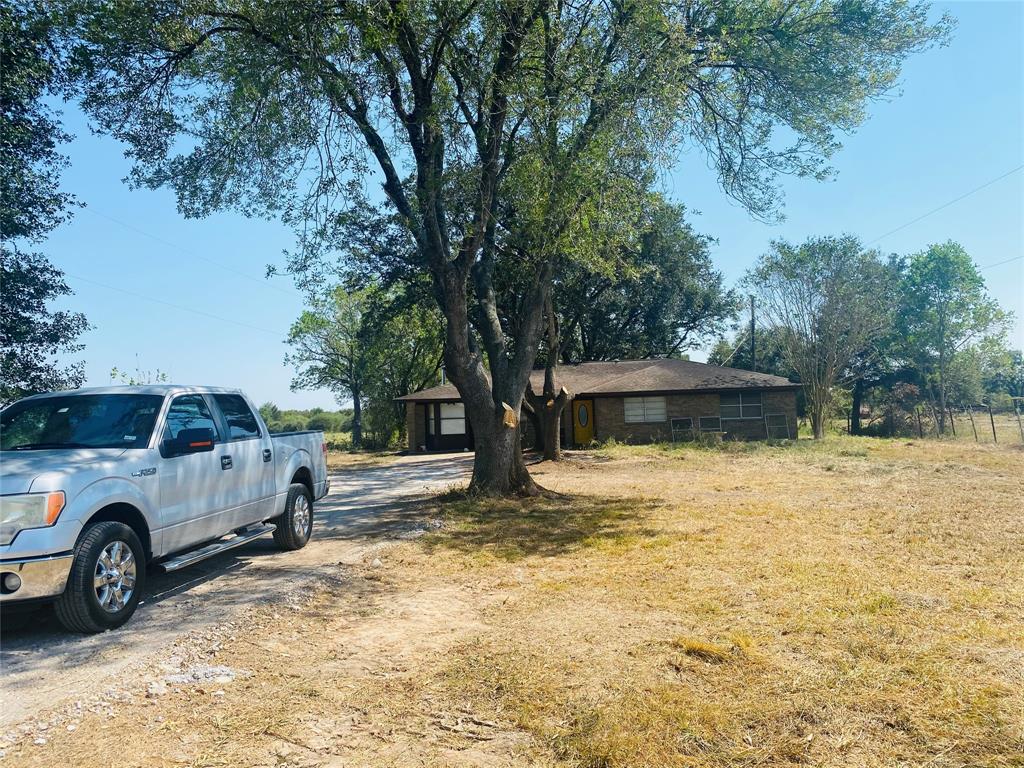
pixel 635 401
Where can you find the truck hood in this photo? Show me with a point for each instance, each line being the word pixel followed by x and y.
pixel 19 468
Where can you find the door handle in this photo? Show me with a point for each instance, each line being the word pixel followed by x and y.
pixel 267 454
pixel 225 462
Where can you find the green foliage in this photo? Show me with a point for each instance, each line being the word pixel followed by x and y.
pixel 270 412
pixel 1005 373
pixel 657 295
pixel 278 420
pixel 31 205
pixel 947 321
pixel 31 335
pixel 734 352
pixel 369 346
pixel 138 377
pixel 829 301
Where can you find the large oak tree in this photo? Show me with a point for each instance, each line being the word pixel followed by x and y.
pixel 272 107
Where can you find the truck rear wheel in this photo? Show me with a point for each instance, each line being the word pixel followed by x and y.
pixel 295 524
pixel 106 579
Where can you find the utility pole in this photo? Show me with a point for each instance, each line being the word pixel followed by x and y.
pixel 753 344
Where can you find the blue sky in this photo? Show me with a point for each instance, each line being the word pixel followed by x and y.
pixel 957 125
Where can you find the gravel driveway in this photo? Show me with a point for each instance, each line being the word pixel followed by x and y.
pixel 42 666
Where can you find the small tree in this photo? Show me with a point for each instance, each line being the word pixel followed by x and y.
pixel 329 352
pixel 828 301
pixel 139 376
pixel 368 345
pixel 944 308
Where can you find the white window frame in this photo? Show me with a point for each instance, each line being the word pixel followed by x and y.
pixel 447 421
pixel 656 403
pixel 742 404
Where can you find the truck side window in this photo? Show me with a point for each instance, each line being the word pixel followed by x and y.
pixel 189 412
pixel 241 422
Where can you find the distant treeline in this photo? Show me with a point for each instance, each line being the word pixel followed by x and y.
pixel 279 420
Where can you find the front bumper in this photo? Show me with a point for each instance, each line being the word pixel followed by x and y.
pixel 40 577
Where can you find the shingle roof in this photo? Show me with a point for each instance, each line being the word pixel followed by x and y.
pixel 623 377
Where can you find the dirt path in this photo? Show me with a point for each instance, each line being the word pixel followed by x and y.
pixel 43 668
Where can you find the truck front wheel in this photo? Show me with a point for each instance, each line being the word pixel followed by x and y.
pixel 106 579
pixel 295 524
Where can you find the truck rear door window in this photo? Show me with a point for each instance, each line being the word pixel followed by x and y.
pixel 239 416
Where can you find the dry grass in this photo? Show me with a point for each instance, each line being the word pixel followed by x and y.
pixel 853 603
pixel 859 602
pixel 340 460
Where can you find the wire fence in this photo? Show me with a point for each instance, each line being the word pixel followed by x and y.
pixel 976 422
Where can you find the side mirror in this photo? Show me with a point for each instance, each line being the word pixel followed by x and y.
pixel 190 441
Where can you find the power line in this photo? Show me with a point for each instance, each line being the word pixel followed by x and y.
pixel 175 306
pixel 191 253
pixel 946 205
pixel 1000 263
pixel 739 343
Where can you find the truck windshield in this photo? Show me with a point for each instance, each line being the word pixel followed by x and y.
pixel 79 421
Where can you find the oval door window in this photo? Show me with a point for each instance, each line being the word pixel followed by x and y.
pixel 583 415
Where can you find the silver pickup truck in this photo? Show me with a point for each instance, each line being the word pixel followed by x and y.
pixel 97 484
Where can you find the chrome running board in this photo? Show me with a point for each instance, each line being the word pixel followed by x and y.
pixel 230 541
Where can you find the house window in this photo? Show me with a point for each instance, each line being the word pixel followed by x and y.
pixel 453 419
pixel 740 405
pixel 710 424
pixel 644 409
pixel 682 428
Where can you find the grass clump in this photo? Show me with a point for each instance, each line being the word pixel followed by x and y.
pixel 703 650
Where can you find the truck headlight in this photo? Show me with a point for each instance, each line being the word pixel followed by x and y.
pixel 28 510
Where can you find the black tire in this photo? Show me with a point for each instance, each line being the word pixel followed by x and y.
pixel 79 609
pixel 292 532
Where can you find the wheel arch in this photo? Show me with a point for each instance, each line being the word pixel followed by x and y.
pixel 305 476
pixel 121 512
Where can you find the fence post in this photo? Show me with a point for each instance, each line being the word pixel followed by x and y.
pixel 952 424
pixel 1020 426
pixel 993 420
pixel 920 430
pixel 973 427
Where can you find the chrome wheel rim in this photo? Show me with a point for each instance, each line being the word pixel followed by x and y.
pixel 114 577
pixel 300 515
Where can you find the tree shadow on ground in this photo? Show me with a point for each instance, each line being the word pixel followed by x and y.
pixel 514 529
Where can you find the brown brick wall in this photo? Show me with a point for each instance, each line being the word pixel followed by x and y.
pixel 783 401
pixel 610 417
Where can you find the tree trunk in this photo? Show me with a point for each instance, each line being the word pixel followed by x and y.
pixel 357 420
pixel 498 466
pixel 817 413
pixel 941 421
pixel 547 409
pixel 493 404
pixel 858 399
pixel 942 372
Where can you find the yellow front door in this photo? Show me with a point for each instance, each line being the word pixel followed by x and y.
pixel 583 421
